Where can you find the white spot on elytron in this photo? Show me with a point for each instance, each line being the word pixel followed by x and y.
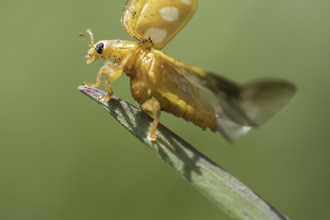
pixel 187 2
pixel 170 13
pixel 157 35
pixel 144 8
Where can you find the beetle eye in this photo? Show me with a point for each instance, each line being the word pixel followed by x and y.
pixel 99 48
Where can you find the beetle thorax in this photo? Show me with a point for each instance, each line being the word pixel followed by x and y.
pixel 118 49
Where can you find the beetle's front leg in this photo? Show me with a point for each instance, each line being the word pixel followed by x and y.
pixel 105 70
pixel 114 71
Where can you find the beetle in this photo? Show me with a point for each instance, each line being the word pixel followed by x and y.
pixel 186 91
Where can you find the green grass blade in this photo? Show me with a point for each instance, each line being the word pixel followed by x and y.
pixel 228 193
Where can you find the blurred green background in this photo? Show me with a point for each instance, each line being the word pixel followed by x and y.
pixel 63 157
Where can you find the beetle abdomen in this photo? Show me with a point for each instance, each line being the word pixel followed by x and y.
pixel 181 105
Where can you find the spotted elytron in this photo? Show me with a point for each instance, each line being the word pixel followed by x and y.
pixel 186 91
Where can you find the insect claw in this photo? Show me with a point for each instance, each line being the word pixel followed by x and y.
pixel 152 137
pixel 105 98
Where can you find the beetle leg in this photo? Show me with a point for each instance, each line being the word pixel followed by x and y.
pixel 103 69
pixel 148 107
pixel 114 71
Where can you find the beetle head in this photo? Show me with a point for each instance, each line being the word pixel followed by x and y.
pixel 95 50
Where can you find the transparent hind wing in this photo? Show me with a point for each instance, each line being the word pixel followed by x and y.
pixel 231 130
pixel 262 99
pixel 251 104
pixel 158 21
pixel 193 84
pixel 238 107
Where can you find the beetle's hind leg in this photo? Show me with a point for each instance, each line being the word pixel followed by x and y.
pixel 149 106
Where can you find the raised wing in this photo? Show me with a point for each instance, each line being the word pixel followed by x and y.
pixel 238 107
pixel 156 20
pixel 253 103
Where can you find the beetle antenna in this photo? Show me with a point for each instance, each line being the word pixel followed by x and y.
pixel 91 44
pixel 91 34
pixel 81 35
